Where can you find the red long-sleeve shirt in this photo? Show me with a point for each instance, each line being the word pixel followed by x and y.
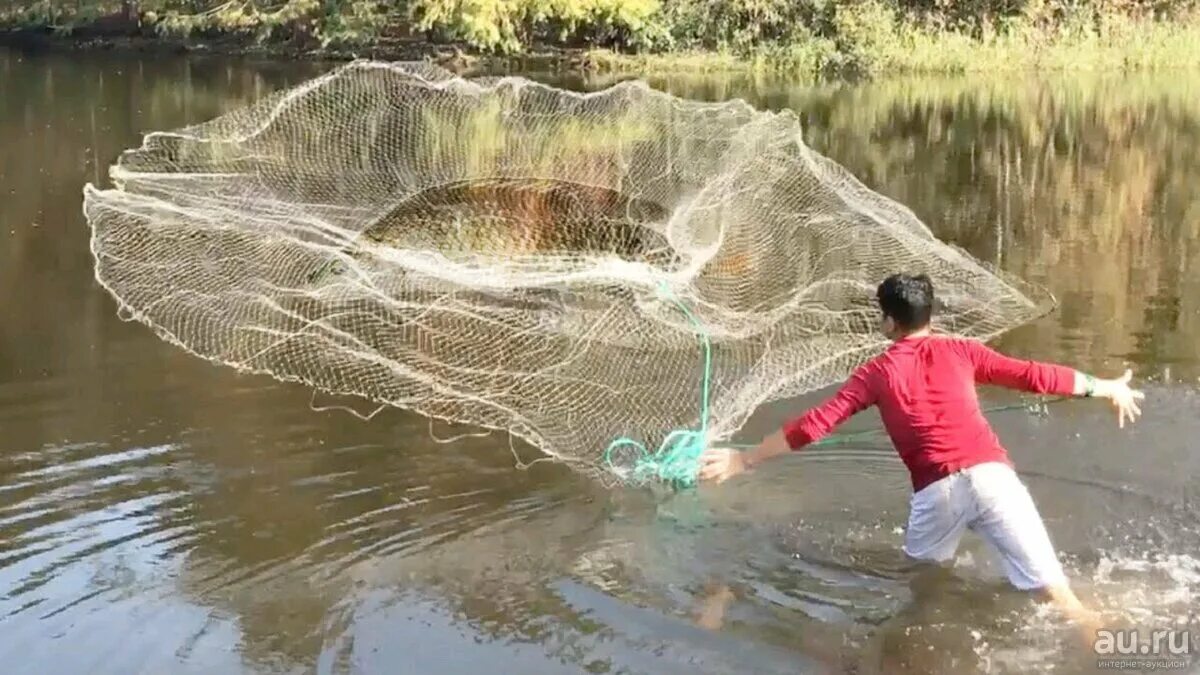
pixel 925 390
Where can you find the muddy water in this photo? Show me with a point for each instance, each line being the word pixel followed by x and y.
pixel 160 514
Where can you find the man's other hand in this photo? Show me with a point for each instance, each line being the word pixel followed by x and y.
pixel 721 464
pixel 1123 398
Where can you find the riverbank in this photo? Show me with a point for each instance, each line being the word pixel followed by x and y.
pixel 869 40
pixel 86 39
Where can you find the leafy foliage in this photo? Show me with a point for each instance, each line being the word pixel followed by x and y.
pixel 801 35
pixel 509 25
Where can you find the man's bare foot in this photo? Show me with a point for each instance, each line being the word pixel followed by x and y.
pixel 1088 621
pixel 712 613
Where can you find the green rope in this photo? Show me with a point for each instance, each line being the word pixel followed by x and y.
pixel 677 459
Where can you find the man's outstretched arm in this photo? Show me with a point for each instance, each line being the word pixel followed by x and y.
pixel 855 395
pixel 992 367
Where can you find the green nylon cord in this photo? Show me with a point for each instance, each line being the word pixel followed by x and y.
pixel 677 459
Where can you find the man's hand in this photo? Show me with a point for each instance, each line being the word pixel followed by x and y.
pixel 1123 398
pixel 721 464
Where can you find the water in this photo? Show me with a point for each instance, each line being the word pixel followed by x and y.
pixel 160 514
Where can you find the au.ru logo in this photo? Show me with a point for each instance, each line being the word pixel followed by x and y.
pixel 1158 649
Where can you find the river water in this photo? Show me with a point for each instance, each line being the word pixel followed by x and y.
pixel 159 514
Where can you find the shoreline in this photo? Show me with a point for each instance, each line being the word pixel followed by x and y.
pixel 1160 46
pixel 458 58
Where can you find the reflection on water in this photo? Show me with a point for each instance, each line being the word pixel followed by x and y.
pixel 158 514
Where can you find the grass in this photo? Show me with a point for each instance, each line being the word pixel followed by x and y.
pixel 1118 44
pixel 866 37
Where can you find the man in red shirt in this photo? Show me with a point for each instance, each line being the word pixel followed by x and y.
pixel 962 478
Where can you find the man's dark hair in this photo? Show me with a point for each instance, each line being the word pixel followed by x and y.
pixel 907 299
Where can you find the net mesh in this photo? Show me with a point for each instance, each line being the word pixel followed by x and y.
pixel 510 255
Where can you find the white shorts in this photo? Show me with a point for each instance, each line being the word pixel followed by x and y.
pixel 992 501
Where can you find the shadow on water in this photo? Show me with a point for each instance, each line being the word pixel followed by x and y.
pixel 158 514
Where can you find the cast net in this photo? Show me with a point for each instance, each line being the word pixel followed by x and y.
pixel 571 268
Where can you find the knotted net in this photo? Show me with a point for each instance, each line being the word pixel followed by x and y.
pixel 570 268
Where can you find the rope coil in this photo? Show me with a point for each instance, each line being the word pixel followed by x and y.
pixel 677 459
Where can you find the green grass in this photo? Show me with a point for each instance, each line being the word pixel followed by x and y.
pixel 866 37
pixel 904 48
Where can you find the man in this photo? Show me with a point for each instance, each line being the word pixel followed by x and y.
pixel 924 386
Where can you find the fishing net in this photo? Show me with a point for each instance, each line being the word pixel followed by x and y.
pixel 605 275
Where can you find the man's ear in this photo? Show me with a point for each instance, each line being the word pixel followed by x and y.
pixel 889 326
